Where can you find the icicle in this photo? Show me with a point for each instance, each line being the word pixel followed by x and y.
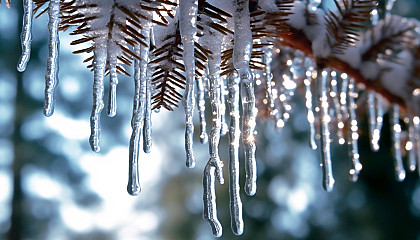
pixel 216 125
pixel 202 109
pixel 396 142
pixel 389 5
pixel 310 113
pixel 99 64
pixel 286 92
pixel 337 108
pixel 188 19
pixel 379 113
pixel 268 77
pixel 147 130
pixel 147 31
pixel 140 121
pixel 343 95
pixel 137 120
pixel 234 136
pixel 113 82
pixel 51 76
pixel 241 56
pixel 210 211
pixel 328 179
pixel 410 146
pixel 353 136
pixel 248 126
pixel 214 163
pixel 224 127
pixel 375 121
pixel 26 35
pixel 375 108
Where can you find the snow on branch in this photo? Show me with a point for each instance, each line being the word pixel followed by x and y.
pixel 383 51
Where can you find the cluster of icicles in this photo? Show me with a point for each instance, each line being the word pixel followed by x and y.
pixel 335 104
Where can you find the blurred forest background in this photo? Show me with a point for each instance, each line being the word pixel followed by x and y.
pixel 53 187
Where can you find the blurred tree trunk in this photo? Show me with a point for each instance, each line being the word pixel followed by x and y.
pixel 17 226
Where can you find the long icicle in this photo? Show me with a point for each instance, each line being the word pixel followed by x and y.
pixel 137 121
pixel 113 82
pixel 237 223
pixel 214 161
pixel 375 108
pixel 99 64
pixel 353 136
pixel 188 28
pixel 396 143
pixel 328 179
pixel 241 57
pixel 26 35
pixel 51 75
pixel 147 31
pixel 201 105
pixel 268 77
pixel 310 113
pixel 337 108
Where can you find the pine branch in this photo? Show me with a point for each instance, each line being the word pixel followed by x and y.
pixel 345 25
pixel 348 56
pixel 387 38
pixel 167 71
pixel 8 4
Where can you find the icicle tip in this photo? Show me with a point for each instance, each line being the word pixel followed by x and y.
pixel 133 190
